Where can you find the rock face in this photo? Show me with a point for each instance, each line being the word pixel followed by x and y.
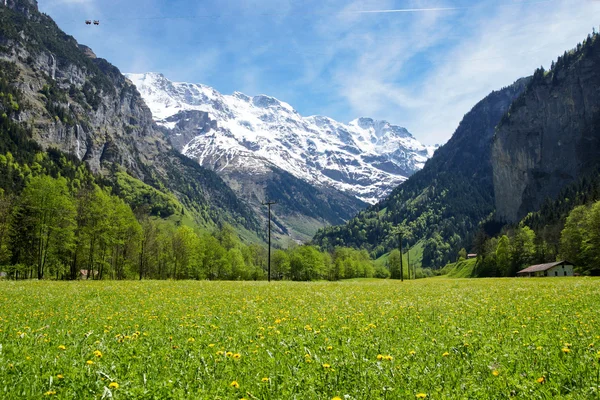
pixel 442 204
pixel 551 135
pixel 83 105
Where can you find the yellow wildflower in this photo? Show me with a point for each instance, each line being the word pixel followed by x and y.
pixel 234 384
pixel 421 395
pixel 62 347
pixel 566 350
pixel 89 362
pixel 237 356
pixel 495 373
pixel 446 354
pixel 326 366
pixel 59 376
pixel 98 353
pixel 541 379
pixel 265 379
pixel 113 385
pixel 49 393
pixel 379 357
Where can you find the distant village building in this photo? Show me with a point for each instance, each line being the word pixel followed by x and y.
pixel 558 268
pixel 83 274
pixel 471 256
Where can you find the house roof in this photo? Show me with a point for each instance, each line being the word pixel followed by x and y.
pixel 542 267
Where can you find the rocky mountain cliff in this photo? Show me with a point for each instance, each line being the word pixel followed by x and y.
pixel 551 135
pixel 241 134
pixel 442 204
pixel 83 105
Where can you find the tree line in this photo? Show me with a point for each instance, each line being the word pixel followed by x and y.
pixel 521 246
pixel 54 229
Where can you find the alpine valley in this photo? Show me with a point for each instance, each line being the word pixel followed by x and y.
pixel 320 171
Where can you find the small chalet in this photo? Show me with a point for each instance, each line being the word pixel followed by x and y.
pixel 558 268
pixel 471 255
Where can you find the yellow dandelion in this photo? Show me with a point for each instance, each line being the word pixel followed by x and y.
pixel 412 352
pixel 446 354
pixel 98 353
pixel 191 340
pixel 336 398
pixel 49 393
pixel 211 345
pixel 326 366
pixel 229 354
pixel 388 358
pixel 329 347
pixel 566 350
pixel 62 347
pixel 265 379
pixel 89 362
pixel 113 385
pixel 234 384
pixel 379 357
pixel 541 379
pixel 495 373
pixel 421 395
pixel 237 356
pixel 220 353
pixel 60 376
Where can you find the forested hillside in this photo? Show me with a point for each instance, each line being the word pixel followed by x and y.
pixel 442 204
pixel 58 97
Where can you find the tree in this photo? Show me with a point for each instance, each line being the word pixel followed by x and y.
pixel 6 205
pixel 523 249
pixel 306 264
pixel 185 245
pixel 462 254
pixel 49 213
pixel 503 256
pixel 237 266
pixel 394 264
pixel 280 265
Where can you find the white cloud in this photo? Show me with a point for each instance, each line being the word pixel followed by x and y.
pixel 470 53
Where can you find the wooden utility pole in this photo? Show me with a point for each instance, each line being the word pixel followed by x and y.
pixel 269 203
pixel 408 256
pixel 401 263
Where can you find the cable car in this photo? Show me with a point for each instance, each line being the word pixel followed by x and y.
pixel 88 22
pixel 96 22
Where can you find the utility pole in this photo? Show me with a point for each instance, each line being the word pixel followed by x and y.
pixel 401 264
pixel 269 203
pixel 408 256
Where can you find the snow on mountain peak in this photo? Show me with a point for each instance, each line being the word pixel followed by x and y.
pixel 365 157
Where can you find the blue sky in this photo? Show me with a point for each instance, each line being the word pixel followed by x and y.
pixel 421 64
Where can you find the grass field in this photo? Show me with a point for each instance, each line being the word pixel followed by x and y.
pixel 439 338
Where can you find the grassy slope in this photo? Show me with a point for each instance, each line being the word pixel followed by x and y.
pixel 460 269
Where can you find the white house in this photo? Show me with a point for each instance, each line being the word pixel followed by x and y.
pixel 558 268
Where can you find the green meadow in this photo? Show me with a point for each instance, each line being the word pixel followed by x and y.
pixel 374 339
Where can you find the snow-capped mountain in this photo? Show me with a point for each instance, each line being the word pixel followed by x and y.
pixel 238 133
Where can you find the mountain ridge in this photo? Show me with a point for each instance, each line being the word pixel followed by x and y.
pixel 366 158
